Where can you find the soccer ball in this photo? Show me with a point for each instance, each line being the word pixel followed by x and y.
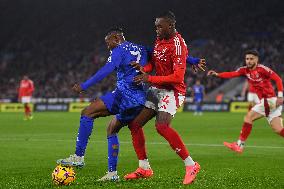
pixel 63 175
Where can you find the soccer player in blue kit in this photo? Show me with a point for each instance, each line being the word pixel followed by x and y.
pixel 125 102
pixel 198 95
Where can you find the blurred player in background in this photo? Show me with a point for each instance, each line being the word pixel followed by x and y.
pixel 166 94
pixel 270 106
pixel 25 93
pixel 198 91
pixel 252 97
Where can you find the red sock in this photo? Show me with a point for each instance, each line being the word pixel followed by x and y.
pixel 138 140
pixel 245 131
pixel 27 110
pixel 282 132
pixel 173 138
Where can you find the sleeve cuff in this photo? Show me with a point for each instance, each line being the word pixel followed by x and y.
pixel 84 88
pixel 280 94
pixel 150 79
pixel 192 61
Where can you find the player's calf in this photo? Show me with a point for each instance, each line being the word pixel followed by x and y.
pixel 277 126
pixel 281 133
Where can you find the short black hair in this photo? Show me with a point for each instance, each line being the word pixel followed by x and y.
pixel 115 30
pixel 253 52
pixel 168 15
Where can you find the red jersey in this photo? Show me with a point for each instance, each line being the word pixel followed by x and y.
pixel 26 88
pixel 259 79
pixel 169 60
pixel 251 88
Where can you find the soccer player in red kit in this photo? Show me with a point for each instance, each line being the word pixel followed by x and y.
pixel 270 106
pixel 166 94
pixel 26 90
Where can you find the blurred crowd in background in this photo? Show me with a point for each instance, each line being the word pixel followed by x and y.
pixel 58 45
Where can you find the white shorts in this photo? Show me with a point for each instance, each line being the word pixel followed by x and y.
pixel 252 97
pixel 163 100
pixel 273 111
pixel 26 99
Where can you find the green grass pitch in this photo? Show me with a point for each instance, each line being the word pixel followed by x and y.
pixel 29 149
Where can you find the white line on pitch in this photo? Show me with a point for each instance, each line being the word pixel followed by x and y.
pixel 128 142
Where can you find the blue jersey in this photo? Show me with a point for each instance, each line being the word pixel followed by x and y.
pixel 198 92
pixel 119 61
pixel 125 54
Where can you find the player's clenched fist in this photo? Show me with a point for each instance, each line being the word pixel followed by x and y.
pixel 77 88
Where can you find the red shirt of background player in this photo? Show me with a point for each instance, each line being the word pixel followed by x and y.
pixel 26 88
pixel 259 79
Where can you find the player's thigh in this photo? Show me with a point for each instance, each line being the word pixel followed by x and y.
pixel 144 116
pixel 276 124
pixel 253 98
pixel 252 116
pixel 163 118
pixel 114 126
pixel 96 109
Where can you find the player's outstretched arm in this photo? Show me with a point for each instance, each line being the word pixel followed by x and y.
pixel 225 74
pixel 100 75
pixel 113 62
pixel 275 77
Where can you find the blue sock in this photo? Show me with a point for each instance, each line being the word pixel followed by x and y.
pixel 85 130
pixel 199 108
pixel 113 150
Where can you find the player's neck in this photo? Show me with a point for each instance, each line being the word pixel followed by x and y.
pixel 171 34
pixel 120 42
pixel 253 68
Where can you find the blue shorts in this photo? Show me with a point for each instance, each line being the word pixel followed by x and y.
pixel 124 107
pixel 198 100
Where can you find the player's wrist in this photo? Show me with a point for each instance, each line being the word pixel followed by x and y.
pixel 149 78
pixel 280 94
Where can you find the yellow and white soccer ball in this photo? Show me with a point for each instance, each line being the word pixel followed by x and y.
pixel 63 175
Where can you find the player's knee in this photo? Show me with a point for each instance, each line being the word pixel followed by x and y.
pixel 248 118
pixel 161 128
pixel 134 127
pixel 110 131
pixel 86 112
